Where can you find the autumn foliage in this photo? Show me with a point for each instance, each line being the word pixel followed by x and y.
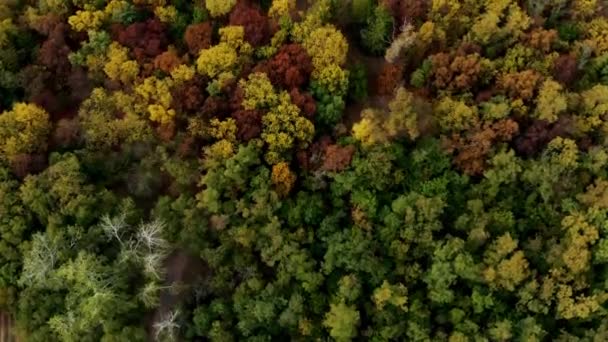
pixel 282 170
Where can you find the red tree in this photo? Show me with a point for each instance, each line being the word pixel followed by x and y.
pixel 255 23
pixel 290 67
pixel 248 123
pixel 189 96
pixel 146 39
pixel 304 101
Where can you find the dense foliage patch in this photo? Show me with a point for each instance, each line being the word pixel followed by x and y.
pixel 222 170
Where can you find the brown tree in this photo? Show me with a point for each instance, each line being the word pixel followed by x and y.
pixel 290 67
pixel 146 39
pixel 389 79
pixel 167 61
pixel 25 164
pixel 66 133
pixel 312 158
pixel 407 10
pixel 304 101
pixel 54 51
pixel 189 96
pixel 455 72
pixel 521 84
pixel 470 149
pixel 215 106
pixel 539 133
pixel 565 69
pixel 337 157
pixel 198 37
pixel 248 123
pixel 255 23
pixel 542 39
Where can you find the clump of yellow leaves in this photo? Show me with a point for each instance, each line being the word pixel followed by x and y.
pixel 119 67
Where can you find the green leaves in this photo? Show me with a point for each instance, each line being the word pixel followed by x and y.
pixel 377 34
pixel 342 321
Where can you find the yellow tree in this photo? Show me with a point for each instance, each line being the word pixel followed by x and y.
pixel 284 128
pixel 218 8
pixel 317 43
pixel 119 67
pixel 551 101
pixel 24 129
pixel 377 126
pixel 283 178
pixel 217 59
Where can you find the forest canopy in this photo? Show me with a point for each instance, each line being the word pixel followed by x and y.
pixel 321 170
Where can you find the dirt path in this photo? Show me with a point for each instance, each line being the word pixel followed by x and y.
pixel 373 66
pixel 182 270
pixel 6 328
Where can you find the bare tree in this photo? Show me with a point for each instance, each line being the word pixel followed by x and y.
pixel 166 329
pixel 40 260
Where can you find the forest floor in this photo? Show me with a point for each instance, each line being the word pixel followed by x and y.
pixel 7 333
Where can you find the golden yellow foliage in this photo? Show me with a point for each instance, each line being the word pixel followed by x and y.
pixel 315 17
pixel 217 59
pixel 225 130
pixel 166 14
pixel 333 78
pixel 454 115
pixel 580 234
pixel 317 43
pixel 115 7
pixel 563 152
pixel 232 35
pixel 6 28
pixel 155 90
pixel 511 272
pixel 87 20
pixel 24 129
pixel 569 307
pixel 377 127
pixel 596 195
pixel 500 248
pixel 283 178
pixel 594 103
pixel 551 101
pixel 395 295
pixel 259 92
pixel 597 35
pixel 119 67
pixel 220 150
pixel 281 8
pixel 157 94
pixel 506 13
pixel 160 114
pixel 284 128
pixel 584 8
pixel 182 73
pixel 104 128
pixel 219 7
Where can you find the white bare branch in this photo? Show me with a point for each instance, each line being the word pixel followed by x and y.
pixel 166 328
pixel 114 226
pixel 150 235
